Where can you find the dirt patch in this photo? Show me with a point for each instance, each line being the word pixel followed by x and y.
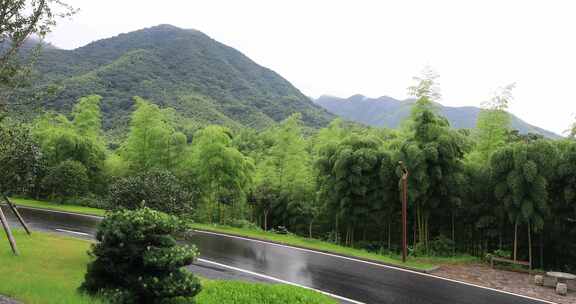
pixel 515 282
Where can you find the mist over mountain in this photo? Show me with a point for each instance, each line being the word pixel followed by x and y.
pixel 203 80
pixel 389 112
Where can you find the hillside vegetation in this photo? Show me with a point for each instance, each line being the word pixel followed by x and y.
pixel 206 82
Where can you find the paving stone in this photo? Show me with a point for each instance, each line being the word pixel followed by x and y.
pixel 539 280
pixel 561 289
pixel 514 282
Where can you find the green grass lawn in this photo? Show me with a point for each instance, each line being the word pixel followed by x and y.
pixel 219 292
pixel 56 206
pixel 50 268
pixel 420 263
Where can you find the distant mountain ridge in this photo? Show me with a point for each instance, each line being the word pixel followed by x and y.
pixel 204 80
pixel 390 112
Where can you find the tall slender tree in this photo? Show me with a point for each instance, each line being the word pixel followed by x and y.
pixel 224 173
pixel 351 183
pixel 433 154
pixel 521 172
pixel 152 142
pixel 493 124
pixel 285 169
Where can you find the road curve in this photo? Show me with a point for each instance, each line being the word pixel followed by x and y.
pixel 357 281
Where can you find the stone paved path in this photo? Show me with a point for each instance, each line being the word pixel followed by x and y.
pixel 514 282
pixel 5 300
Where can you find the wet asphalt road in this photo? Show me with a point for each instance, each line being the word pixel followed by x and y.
pixel 362 282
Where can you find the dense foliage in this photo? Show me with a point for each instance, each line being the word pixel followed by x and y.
pixel 469 191
pixel 222 172
pixel 67 179
pixel 20 158
pixel 157 189
pixel 137 260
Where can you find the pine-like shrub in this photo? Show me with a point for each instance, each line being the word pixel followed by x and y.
pixel 137 260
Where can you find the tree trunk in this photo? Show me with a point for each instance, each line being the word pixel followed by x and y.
pixel 453 236
pixel 529 245
pixel 337 231
pixel 310 228
pixel 542 249
pixel 515 239
pixel 265 219
pixel 500 239
pixel 389 234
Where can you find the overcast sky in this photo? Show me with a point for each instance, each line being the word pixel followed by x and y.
pixel 374 48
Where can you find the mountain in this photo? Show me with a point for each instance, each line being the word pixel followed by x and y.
pixel 389 112
pixel 203 80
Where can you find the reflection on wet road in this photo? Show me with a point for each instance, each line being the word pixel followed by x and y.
pixel 364 282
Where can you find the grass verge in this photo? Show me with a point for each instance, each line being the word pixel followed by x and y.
pixel 51 267
pixel 424 263
pixel 59 207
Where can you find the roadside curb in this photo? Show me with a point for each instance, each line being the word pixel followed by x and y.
pixel 427 271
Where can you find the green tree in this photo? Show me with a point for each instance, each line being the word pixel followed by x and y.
pixel 87 117
pixel 285 169
pixel 156 189
pixel 137 260
pixel 562 192
pixel 493 124
pixel 152 142
pixel 351 181
pixel 521 172
pixel 61 140
pixel 67 179
pixel 433 154
pixel 223 173
pixel 20 158
pixel 491 133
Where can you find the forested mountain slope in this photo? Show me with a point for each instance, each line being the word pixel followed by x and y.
pixel 204 80
pixel 389 112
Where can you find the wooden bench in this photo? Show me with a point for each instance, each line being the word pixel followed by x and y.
pixel 510 261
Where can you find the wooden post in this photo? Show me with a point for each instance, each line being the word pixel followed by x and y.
pixel 18 216
pixel 8 232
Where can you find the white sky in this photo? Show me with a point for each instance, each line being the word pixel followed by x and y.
pixel 375 47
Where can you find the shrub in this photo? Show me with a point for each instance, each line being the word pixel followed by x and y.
pixel 159 190
pixel 67 179
pixel 244 224
pixel 419 249
pixel 137 260
pixel 91 201
pixel 442 246
pixel 439 246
